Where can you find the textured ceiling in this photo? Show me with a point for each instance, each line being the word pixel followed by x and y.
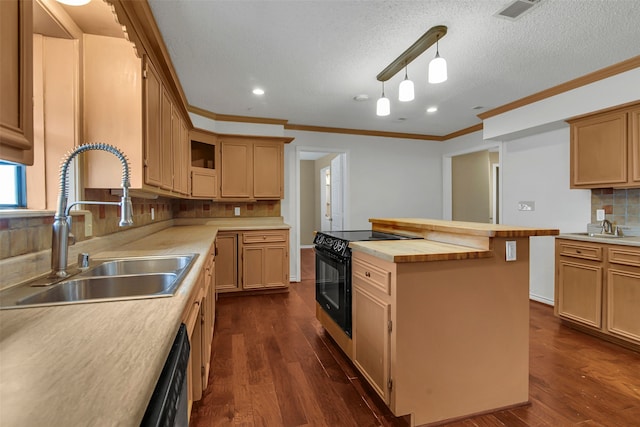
pixel 313 57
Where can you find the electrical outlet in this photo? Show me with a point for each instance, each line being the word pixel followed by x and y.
pixel 236 211
pixel 153 214
pixel 599 214
pixel 510 251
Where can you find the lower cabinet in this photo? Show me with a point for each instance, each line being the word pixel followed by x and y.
pixel 265 259
pixel 623 293
pixel 580 271
pixel 598 288
pixel 371 309
pixel 199 318
pixel 252 260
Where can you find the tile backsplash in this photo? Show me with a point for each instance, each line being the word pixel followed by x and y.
pixel 31 233
pixel 209 209
pixel 622 207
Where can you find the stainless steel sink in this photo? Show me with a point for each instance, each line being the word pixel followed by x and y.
pixel 111 279
pixel 599 235
pixel 100 288
pixel 126 266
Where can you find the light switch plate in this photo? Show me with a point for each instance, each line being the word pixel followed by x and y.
pixel 527 206
pixel 510 251
pixel 599 214
pixel 153 214
pixel 236 211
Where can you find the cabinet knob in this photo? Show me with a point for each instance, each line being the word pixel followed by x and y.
pixel 367 274
pixel 578 251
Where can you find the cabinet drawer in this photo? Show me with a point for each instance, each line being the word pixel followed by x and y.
pixel 266 236
pixel 372 275
pixel 579 250
pixel 625 256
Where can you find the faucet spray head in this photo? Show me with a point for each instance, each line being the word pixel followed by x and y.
pixel 126 208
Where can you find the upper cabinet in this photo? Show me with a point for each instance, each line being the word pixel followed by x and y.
pixel 127 105
pixel 605 149
pixel 16 81
pixel 244 167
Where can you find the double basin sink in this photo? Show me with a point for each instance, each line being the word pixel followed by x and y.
pixel 110 279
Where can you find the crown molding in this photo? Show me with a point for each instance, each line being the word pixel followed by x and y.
pixel 231 118
pixel 601 74
pixel 364 132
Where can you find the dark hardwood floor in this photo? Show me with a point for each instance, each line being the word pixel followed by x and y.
pixel 273 365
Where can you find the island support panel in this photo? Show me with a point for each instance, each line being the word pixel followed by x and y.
pixel 459 341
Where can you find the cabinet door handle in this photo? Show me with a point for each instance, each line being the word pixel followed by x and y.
pixel 367 274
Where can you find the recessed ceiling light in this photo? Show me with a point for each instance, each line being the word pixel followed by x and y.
pixel 361 97
pixel 74 2
pixel 258 91
pixel 432 109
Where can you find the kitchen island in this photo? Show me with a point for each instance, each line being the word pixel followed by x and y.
pixel 441 325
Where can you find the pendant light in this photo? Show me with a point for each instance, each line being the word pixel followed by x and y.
pixel 405 92
pixel 383 106
pixel 437 67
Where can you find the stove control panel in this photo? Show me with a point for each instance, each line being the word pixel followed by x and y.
pixel 332 244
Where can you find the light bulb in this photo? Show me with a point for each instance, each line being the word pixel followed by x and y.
pixel 405 91
pixel 383 106
pixel 437 70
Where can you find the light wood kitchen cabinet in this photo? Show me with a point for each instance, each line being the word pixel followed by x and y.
pixel 268 170
pixel 605 150
pixel 191 319
pixel 227 261
pixel 598 289
pixel 265 259
pixel 252 168
pixel 204 164
pixel 127 105
pixel 16 81
pixel 634 139
pixel 208 316
pixel 153 98
pixel 623 293
pixel 236 180
pixel 580 281
pixel 371 323
pixel 199 319
pixel 252 260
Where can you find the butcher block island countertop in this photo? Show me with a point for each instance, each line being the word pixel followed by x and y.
pixel 441 240
pixel 440 325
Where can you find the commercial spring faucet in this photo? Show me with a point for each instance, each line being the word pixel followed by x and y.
pixel 61 220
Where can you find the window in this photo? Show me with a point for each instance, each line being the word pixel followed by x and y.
pixel 13 192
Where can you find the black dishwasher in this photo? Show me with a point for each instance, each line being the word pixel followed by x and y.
pixel 168 404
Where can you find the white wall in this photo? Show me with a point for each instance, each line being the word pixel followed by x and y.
pixel 385 177
pixel 536 168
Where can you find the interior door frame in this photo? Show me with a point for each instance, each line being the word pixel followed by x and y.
pixel 295 241
pixel 447 188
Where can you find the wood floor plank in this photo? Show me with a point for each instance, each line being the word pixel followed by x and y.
pixel 274 365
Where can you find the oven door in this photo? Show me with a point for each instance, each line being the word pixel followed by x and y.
pixel 333 287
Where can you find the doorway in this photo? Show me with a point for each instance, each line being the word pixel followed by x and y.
pixel 471 185
pixel 322 193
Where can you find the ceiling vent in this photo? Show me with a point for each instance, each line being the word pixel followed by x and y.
pixel 516 9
